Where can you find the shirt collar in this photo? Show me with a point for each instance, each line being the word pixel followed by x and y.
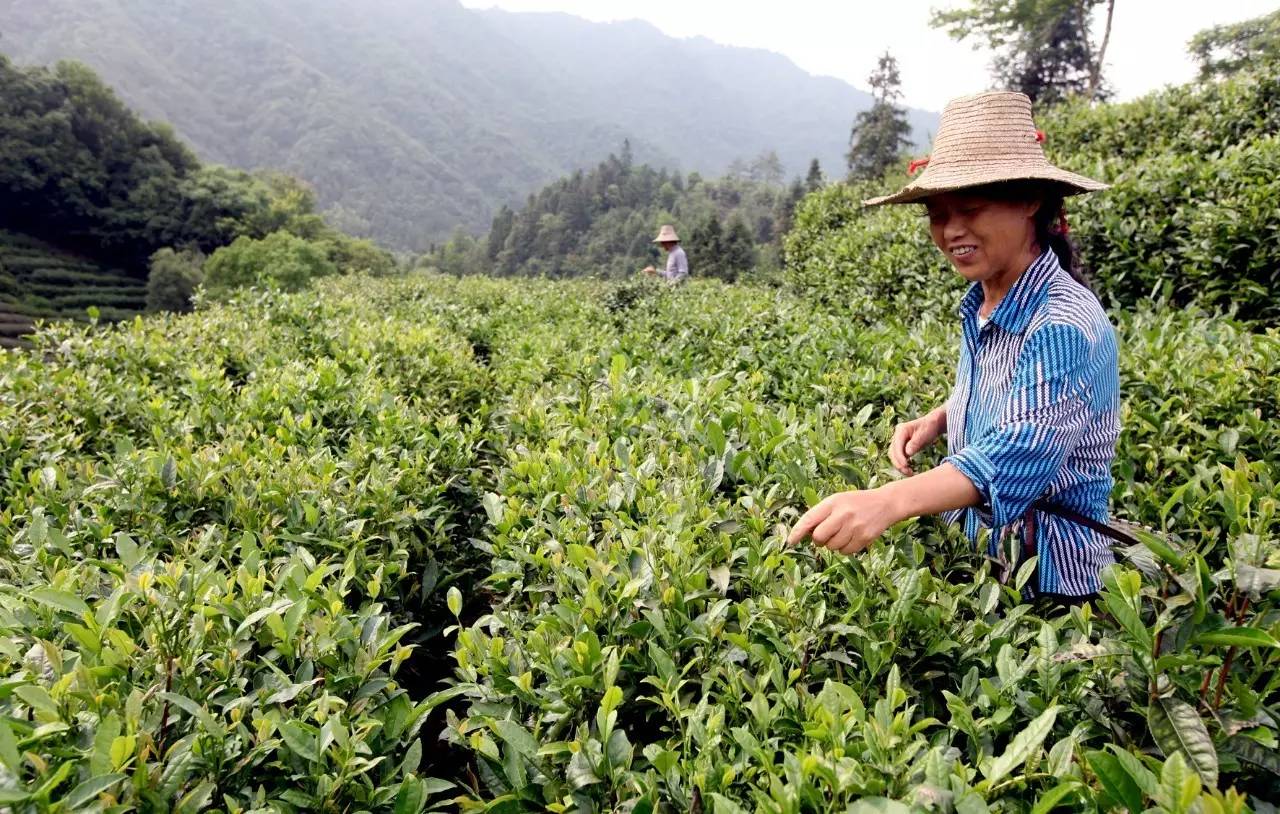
pixel 1016 309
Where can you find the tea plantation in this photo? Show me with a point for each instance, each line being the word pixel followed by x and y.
pixel 439 544
pixel 418 544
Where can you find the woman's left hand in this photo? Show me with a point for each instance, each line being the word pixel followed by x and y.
pixel 846 522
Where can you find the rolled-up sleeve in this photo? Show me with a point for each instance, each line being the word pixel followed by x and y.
pixel 1041 423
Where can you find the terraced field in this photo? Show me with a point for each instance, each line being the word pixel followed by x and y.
pixel 37 281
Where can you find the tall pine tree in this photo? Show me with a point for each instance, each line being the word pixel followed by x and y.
pixel 738 251
pixel 881 133
pixel 813 181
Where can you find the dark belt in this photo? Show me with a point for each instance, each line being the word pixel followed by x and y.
pixel 1030 545
pixel 1088 522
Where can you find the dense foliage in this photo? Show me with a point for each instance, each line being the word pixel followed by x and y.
pixel 94 195
pixel 1226 49
pixel 80 170
pixel 1193 214
pixel 602 223
pixel 460 543
pixel 411 118
pixel 278 261
pixel 217 540
pixel 173 279
pixel 1043 48
pixel 217 531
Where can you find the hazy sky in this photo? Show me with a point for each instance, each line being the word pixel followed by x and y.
pixel 842 38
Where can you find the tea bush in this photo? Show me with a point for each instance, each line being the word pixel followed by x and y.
pixel 225 534
pixel 654 647
pixel 235 540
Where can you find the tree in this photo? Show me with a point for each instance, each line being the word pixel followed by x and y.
pixel 881 133
pixel 766 168
pixel 352 255
pixel 499 231
pixel 173 280
pixel 1042 47
pixel 707 244
pixel 814 180
pixel 738 251
pixel 280 261
pixel 1225 49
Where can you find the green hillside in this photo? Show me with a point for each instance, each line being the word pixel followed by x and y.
pixel 37 281
pixel 411 118
pixel 601 223
pixel 92 192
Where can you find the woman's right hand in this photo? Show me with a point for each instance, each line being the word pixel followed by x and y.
pixel 913 436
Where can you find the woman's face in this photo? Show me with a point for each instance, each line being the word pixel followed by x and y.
pixel 982 237
pixel 668 245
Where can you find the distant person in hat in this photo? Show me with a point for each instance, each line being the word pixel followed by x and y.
pixel 677 264
pixel 1032 420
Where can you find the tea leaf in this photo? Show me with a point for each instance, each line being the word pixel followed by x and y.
pixel 1236 637
pixel 1023 745
pixel 517 737
pixel 90 789
pixel 300 739
pixel 1050 799
pixel 59 600
pixel 1115 780
pixel 9 754
pixel 723 805
pixel 410 798
pixel 1178 729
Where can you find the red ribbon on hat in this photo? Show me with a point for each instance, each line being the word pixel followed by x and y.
pixel 917 164
pixel 1039 136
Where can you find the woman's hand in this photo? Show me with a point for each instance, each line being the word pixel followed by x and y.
pixel 913 436
pixel 846 522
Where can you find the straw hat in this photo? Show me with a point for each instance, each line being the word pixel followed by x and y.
pixel 667 234
pixel 985 139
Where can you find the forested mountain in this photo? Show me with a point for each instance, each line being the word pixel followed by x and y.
pixel 90 193
pixel 410 117
pixel 601 223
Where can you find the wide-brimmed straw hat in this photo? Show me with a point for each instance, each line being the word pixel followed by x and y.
pixel 984 139
pixel 667 234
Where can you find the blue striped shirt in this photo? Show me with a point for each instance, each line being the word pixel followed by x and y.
pixel 1035 413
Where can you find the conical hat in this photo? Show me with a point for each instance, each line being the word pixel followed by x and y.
pixel 667 234
pixel 985 139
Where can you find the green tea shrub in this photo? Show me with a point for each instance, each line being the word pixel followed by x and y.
pixel 240 545
pixel 1192 217
pixel 1189 229
pixel 879 260
pixel 1196 119
pixel 652 643
pixel 226 537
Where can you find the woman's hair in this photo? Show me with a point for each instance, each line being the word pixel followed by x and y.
pixel 1050 220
